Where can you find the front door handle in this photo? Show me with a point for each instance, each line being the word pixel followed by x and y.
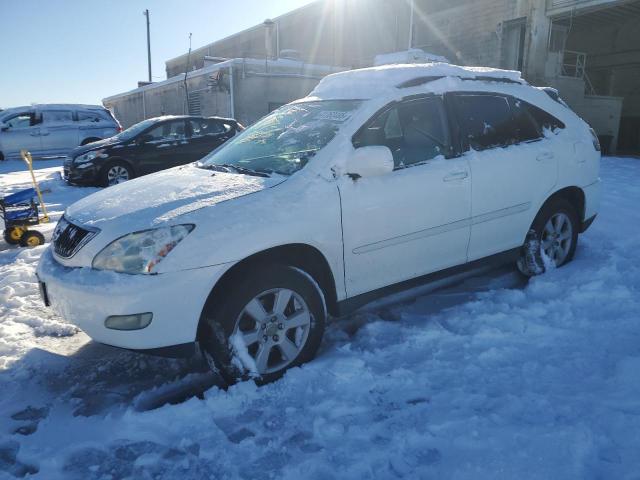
pixel 455 176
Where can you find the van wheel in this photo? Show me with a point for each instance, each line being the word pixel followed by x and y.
pixel 271 320
pixel 552 240
pixel 115 173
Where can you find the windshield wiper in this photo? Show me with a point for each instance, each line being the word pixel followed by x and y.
pixel 227 167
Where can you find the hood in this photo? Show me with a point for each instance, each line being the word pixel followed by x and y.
pixel 154 199
pixel 107 142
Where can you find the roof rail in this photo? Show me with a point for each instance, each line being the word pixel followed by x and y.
pixel 414 82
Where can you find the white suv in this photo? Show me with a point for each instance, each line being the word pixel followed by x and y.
pixel 381 178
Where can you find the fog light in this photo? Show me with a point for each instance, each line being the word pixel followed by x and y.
pixel 128 322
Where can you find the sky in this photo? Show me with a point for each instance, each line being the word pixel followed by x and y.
pixel 81 51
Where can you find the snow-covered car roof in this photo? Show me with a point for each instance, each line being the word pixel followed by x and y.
pixel 373 82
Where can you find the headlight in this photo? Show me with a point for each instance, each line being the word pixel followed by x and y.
pixel 89 156
pixel 140 252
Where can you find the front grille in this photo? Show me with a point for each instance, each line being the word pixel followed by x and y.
pixel 69 238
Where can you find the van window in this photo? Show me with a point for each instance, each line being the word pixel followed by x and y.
pixel 486 120
pixel 57 116
pixel 92 116
pixel 21 120
pixel 415 131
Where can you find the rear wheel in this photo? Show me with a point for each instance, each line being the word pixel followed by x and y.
pixel 271 321
pixel 552 240
pixel 32 238
pixel 115 173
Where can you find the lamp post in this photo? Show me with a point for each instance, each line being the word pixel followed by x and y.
pixel 146 14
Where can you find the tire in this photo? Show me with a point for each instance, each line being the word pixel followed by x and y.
pixel 241 346
pixel 114 173
pixel 32 238
pixel 86 141
pixel 13 235
pixel 552 240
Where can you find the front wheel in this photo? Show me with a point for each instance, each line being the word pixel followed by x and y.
pixel 271 321
pixel 115 173
pixel 552 240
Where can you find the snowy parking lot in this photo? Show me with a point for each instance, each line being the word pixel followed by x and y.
pixel 493 377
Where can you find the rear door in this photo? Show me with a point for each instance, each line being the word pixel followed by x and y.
pixel 512 166
pixel 163 146
pixel 94 124
pixel 20 132
pixel 59 132
pixel 206 135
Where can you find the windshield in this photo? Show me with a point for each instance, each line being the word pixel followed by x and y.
pixel 285 140
pixel 134 130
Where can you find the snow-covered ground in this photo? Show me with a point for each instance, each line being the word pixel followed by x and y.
pixel 491 378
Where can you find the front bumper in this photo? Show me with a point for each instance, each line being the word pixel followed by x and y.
pixel 87 175
pixel 86 297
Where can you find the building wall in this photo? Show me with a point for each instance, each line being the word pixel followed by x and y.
pixel 350 33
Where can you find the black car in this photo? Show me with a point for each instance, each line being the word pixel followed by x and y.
pixel 147 147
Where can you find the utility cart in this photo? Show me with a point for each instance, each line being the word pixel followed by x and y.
pixel 20 212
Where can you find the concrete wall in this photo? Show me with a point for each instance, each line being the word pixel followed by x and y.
pixel 257 91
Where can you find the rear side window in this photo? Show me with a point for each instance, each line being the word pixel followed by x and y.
pixel 203 127
pixel 525 125
pixel 57 116
pixel 486 121
pixel 415 131
pixel 545 120
pixel 93 116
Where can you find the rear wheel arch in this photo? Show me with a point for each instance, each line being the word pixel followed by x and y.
pixel 112 160
pixel 574 195
pixel 301 256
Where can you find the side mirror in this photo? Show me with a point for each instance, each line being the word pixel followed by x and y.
pixel 370 162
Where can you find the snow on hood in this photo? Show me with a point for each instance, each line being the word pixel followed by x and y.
pixel 158 198
pixel 366 83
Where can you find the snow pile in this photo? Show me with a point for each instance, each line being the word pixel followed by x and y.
pixel 367 83
pixel 491 378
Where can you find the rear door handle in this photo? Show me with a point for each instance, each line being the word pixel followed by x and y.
pixel 544 156
pixel 455 176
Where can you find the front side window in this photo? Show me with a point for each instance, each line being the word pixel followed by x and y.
pixel 285 140
pixel 486 120
pixel 22 120
pixel 57 116
pixel 415 131
pixel 168 131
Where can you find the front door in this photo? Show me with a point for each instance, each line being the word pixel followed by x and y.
pixel 161 147
pixel 20 132
pixel 414 220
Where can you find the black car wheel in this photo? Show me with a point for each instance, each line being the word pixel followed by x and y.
pixel 115 173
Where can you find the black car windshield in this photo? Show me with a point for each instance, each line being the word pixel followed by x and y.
pixel 134 130
pixel 285 140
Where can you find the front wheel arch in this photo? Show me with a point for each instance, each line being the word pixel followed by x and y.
pixel 299 255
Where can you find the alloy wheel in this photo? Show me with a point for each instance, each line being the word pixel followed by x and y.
pixel 274 327
pixel 117 174
pixel 557 238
